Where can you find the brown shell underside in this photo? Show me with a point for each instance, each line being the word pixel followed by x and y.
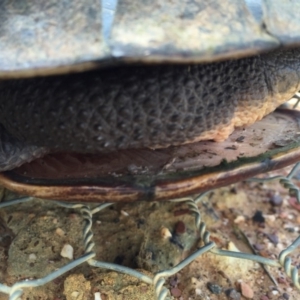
pixel 145 174
pixel 50 36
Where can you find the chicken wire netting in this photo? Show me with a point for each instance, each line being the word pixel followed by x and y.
pixel 187 243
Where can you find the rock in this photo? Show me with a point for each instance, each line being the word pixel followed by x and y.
pixel 176 292
pixel 239 219
pixel 273 238
pixel 233 294
pixel 285 296
pixel 276 200
pixel 67 251
pixel 214 288
pixel 59 232
pixel 259 247
pixel 74 295
pixel 232 247
pixel 165 233
pixel 273 294
pixel 32 257
pixel 97 296
pixel 180 227
pixel 198 292
pixel 124 213
pixel 258 217
pixel 246 290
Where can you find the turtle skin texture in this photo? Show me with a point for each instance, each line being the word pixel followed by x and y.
pixel 147 106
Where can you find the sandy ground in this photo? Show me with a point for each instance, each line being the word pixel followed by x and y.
pixel 152 237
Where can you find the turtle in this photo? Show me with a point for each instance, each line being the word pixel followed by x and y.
pixel 135 106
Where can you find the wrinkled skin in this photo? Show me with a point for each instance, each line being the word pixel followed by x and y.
pixel 141 106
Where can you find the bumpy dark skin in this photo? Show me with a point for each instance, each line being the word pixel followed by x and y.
pixel 142 106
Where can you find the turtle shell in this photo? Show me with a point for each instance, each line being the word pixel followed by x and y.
pixel 144 174
pixel 50 36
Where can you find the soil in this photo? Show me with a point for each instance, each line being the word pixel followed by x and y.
pixel 152 237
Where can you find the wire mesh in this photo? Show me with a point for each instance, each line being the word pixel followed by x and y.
pixel 158 279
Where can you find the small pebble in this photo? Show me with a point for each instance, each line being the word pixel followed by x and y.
pixel 276 200
pixel 270 218
pixel 282 280
pixel 165 233
pixel 214 288
pixel 264 298
pixel 259 247
pixel 176 292
pixel 239 219
pixel 246 290
pixel 32 256
pixel 258 217
pixel 240 139
pixel 74 294
pixel 174 281
pixel 198 292
pixel 272 294
pixel 67 251
pixel 273 238
pixel 97 296
pixel 286 296
pixel 180 228
pixel 233 294
pixel 124 213
pixel 232 247
pixel 59 232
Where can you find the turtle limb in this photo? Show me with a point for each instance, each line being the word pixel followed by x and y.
pixel 14 152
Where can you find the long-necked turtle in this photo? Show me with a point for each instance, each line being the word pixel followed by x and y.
pixel 165 74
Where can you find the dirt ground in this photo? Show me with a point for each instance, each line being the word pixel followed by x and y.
pixel 152 237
